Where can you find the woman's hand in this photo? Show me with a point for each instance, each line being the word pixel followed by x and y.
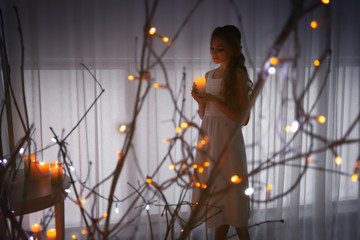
pixel 201 98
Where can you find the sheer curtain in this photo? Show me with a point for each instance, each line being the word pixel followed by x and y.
pixel 59 35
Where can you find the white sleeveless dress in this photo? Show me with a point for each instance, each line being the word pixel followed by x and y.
pixel 233 205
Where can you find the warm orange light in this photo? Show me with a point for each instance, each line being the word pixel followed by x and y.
pixel 314 24
pixel 269 187
pixel 156 85
pixel 178 129
pixel 73 237
pixel 36 228
pixel 356 164
pixel 235 179
pixel 166 140
pixel 200 145
pixel 149 180
pixel 325 1
pixel 206 164
pixel 122 128
pixel 308 159
pixel 184 124
pixel 165 39
pixel 354 177
pixel 321 119
pixel 195 166
pixel 172 167
pixel 83 232
pixel 201 170
pixel 274 61
pixel 203 142
pixel 197 184
pixel 203 186
pixel 131 77
pixel 51 233
pixel 338 160
pixel 316 63
pixel 152 31
pixel 206 138
pixel 83 200
pixel 288 128
pixel 105 215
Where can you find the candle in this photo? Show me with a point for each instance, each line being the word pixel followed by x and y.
pixel 36 229
pixel 43 169
pixel 200 84
pixel 51 234
pixel 26 160
pixel 56 172
pixel 34 170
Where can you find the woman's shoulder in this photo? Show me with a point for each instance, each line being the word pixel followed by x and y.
pixel 209 73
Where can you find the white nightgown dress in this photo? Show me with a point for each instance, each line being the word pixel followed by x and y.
pixel 234 205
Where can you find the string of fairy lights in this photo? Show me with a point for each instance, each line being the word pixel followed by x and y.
pixel 185 170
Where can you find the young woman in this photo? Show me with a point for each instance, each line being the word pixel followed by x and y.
pixel 227 93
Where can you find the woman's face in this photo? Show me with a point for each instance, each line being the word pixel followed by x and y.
pixel 219 50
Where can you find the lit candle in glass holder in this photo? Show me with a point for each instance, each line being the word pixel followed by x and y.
pixel 56 172
pixel 200 84
pixel 26 160
pixel 36 229
pixel 34 170
pixel 43 169
pixel 51 234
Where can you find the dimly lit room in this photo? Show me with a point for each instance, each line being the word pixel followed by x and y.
pixel 181 119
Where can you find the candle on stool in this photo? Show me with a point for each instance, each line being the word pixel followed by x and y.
pixel 200 84
pixel 43 169
pixel 51 234
pixel 34 170
pixel 36 229
pixel 56 172
pixel 26 160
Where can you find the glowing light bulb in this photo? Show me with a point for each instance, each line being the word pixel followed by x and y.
pixel 156 85
pixel 308 159
pixel 172 167
pixel 206 164
pixel 116 210
pixel 235 179
pixel 84 231
pixel 354 177
pixel 5 161
pixel 203 142
pixel 122 128
pixel 274 61
pixel 325 1
pixel 201 170
pixel 53 140
pixel 197 184
pixel 269 187
pixel 73 237
pixel 249 191
pixel 131 77
pixel 178 129
pixel 200 145
pixel 184 124
pixel 338 160
pixel 321 119
pixel 152 30
pixel 21 151
pixel 72 168
pixel 314 24
pixel 316 63
pixel 288 128
pixel 272 70
pixel 165 39
pixel 294 126
pixel 149 180
pixel 166 140
pixel 195 166
pixel 147 207
pixel 67 190
pixel 203 186
pixel 105 215
pixel 83 200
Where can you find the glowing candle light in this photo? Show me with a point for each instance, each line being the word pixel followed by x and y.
pixel 321 119
pixel 36 229
pixel 165 39
pixel 131 77
pixel 314 24
pixel 34 170
pixel 43 169
pixel 338 160
pixel 325 1
pixel 316 63
pixel 274 61
pixel 56 172
pixel 26 160
pixel 152 30
pixel 51 234
pixel 200 84
pixel 354 177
